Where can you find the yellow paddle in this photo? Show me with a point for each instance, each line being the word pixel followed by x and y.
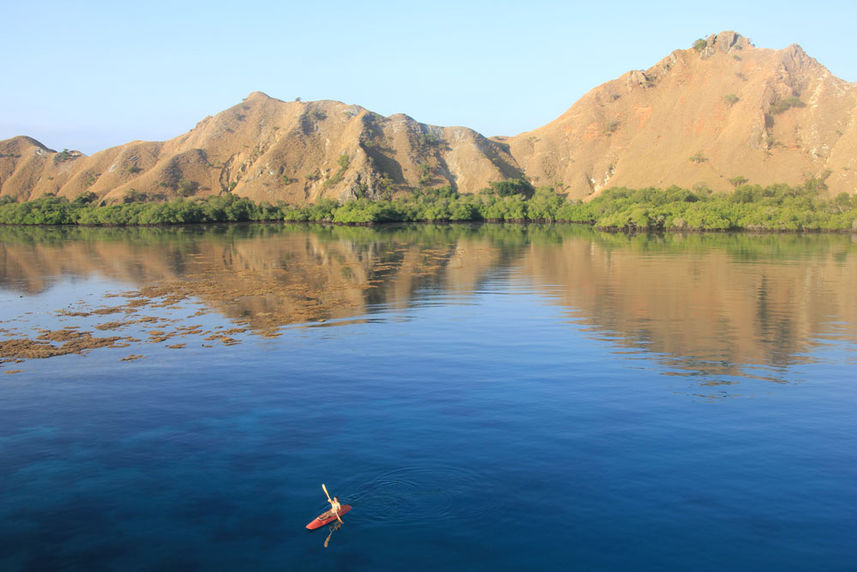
pixel 336 514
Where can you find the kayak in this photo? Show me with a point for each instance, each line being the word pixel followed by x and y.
pixel 327 517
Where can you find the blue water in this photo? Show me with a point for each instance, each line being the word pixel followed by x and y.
pixel 485 424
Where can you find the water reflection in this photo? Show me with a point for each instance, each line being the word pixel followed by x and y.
pixel 716 302
pixel 710 304
pixel 332 528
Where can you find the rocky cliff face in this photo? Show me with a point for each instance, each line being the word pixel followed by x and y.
pixel 719 113
pixel 722 110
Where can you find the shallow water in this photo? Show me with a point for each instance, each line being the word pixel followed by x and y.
pixel 485 397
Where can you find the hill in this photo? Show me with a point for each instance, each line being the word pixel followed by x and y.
pixel 715 115
pixel 720 111
pixel 267 150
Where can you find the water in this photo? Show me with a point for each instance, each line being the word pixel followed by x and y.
pixel 499 398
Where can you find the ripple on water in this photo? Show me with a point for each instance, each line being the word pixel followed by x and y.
pixel 418 495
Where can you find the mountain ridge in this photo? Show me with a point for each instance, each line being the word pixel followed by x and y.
pixel 767 116
pixel 714 115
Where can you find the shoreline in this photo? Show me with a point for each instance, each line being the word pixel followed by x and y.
pixel 518 222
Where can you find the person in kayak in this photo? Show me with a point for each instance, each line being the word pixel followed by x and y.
pixel 335 507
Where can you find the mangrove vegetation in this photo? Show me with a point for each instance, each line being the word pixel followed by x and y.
pixel 748 207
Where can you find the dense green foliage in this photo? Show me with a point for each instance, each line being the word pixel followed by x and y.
pixel 56 210
pixel 749 207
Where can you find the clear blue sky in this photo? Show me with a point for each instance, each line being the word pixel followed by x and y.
pixel 89 75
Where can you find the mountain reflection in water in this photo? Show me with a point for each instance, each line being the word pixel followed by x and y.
pixel 714 304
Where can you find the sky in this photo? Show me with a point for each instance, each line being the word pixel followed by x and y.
pixel 90 75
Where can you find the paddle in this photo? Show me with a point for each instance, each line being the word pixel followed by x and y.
pixel 324 488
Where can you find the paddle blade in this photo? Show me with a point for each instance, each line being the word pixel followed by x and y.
pixel 324 488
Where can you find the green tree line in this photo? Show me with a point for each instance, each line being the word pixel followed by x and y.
pixel 749 207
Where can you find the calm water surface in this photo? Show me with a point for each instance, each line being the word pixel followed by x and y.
pixel 490 398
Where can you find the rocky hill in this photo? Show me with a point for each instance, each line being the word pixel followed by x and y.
pixel 268 150
pixel 717 114
pixel 722 110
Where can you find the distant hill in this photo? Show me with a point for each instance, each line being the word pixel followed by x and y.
pixel 268 150
pixel 722 110
pixel 716 114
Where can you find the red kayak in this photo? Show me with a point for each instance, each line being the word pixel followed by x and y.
pixel 327 517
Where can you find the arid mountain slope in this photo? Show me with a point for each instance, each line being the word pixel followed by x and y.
pixel 702 116
pixel 721 112
pixel 268 150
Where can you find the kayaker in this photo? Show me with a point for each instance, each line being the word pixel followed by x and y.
pixel 335 507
